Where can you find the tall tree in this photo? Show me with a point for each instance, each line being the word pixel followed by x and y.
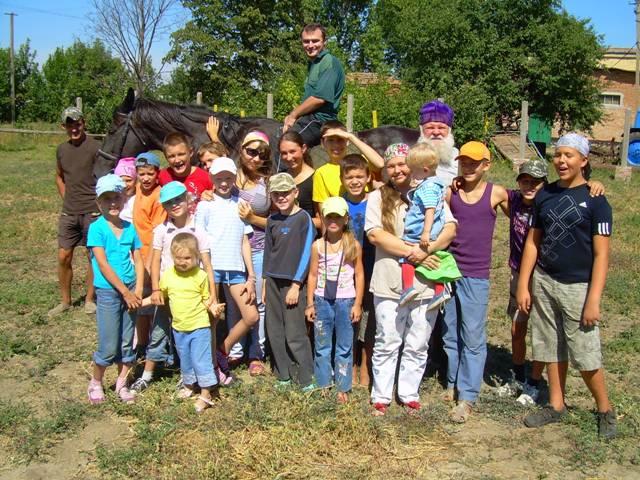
pixel 26 73
pixel 130 27
pixel 87 71
pixel 504 50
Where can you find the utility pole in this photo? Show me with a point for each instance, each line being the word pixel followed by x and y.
pixel 637 12
pixel 13 70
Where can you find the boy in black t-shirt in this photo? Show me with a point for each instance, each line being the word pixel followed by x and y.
pixel 569 241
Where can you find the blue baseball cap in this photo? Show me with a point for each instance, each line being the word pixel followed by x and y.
pixel 147 158
pixel 109 183
pixel 172 190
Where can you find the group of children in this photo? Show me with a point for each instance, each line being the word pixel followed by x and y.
pixel 174 235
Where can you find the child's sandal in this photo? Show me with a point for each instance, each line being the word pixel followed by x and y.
pixel 95 392
pixel 379 409
pixel 201 408
pixel 184 393
pixel 126 395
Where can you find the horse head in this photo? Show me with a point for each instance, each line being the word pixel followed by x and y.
pixel 124 139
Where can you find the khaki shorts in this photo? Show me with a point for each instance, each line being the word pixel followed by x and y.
pixel 512 308
pixel 557 334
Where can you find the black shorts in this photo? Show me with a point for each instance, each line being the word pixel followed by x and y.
pixel 73 228
pixel 309 129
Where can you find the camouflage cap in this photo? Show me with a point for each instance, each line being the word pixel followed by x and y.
pixel 281 182
pixel 537 168
pixel 74 113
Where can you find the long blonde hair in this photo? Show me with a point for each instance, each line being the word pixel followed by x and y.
pixel 349 244
pixel 391 200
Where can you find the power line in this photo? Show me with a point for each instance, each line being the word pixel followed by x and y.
pixel 47 12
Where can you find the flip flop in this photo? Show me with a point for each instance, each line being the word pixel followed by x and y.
pixel 256 368
pixel 207 403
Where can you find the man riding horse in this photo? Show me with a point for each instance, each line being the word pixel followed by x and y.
pixel 323 87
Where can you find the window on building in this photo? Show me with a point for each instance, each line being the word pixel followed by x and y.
pixel 611 99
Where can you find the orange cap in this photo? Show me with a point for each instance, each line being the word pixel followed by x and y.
pixel 474 150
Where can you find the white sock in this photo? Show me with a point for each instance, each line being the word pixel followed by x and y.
pixel 147 375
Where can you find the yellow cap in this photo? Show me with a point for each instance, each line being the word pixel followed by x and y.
pixel 335 205
pixel 474 150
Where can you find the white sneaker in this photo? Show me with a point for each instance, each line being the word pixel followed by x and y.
pixel 529 395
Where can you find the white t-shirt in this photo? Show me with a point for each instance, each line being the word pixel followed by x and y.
pixel 163 236
pixel 220 220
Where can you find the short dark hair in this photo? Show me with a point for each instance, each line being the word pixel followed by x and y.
pixel 175 138
pixel 353 161
pixel 331 124
pixel 312 27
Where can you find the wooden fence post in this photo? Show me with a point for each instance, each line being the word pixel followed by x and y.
pixel 198 98
pixel 79 103
pixel 524 128
pixel 623 172
pixel 350 113
pixel 269 105
pixel 374 118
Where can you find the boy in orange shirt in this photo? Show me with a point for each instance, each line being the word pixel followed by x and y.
pixel 147 214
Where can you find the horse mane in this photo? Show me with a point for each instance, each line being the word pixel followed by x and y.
pixel 163 116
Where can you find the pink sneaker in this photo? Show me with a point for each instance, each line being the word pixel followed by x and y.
pixel 95 392
pixel 224 379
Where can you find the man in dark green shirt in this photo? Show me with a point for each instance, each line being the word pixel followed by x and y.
pixel 323 87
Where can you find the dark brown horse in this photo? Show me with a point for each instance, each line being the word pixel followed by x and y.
pixel 140 124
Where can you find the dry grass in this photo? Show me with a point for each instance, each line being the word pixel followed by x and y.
pixel 256 431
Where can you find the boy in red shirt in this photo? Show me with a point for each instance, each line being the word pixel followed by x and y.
pixel 178 152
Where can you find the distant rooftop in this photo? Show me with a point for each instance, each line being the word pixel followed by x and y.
pixel 617 58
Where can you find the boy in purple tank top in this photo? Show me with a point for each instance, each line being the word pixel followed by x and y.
pixel 464 334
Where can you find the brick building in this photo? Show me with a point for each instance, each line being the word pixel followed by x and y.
pixel 618 92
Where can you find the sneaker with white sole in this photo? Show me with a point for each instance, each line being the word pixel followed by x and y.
pixel 440 300
pixel 407 295
pixel 529 395
pixel 224 379
pixel 139 385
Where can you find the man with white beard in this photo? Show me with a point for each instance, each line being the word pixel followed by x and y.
pixel 436 119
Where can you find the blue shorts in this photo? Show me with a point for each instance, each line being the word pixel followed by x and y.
pixel 229 277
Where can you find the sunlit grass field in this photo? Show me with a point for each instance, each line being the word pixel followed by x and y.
pixel 47 427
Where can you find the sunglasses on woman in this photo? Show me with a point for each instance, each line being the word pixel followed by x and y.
pixel 254 152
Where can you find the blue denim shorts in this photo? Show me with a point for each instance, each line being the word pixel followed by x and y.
pixel 229 277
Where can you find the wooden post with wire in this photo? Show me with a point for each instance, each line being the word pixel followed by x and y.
pixel 79 103
pixel 624 171
pixel 350 113
pixel 524 129
pixel 269 105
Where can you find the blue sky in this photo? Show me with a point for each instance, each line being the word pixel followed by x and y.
pixel 50 24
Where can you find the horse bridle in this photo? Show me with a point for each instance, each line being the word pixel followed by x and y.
pixel 128 126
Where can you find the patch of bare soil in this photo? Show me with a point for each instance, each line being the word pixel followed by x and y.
pixel 72 458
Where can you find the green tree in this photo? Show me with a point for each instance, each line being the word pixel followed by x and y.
pixel 501 51
pixel 236 51
pixel 87 71
pixel 26 75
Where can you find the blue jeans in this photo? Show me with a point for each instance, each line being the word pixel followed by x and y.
pixel 159 348
pixel 196 362
pixel 333 315
pixel 116 325
pixel 256 337
pixel 465 337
